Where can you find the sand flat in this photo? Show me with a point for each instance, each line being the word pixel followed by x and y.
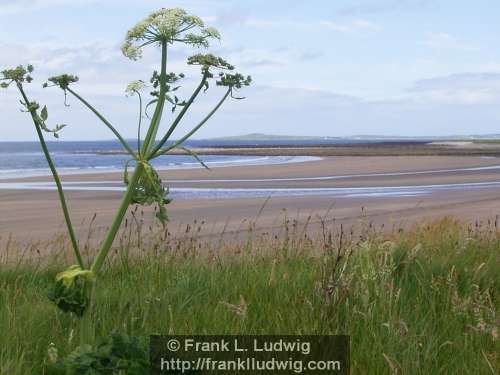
pixel 30 215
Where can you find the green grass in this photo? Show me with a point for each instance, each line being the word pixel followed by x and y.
pixel 419 302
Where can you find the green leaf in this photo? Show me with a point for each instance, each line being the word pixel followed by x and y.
pixel 68 277
pixel 68 292
pixel 150 190
pixel 147 106
pixel 162 214
pixel 193 154
pixel 115 354
pixel 44 114
pixel 125 172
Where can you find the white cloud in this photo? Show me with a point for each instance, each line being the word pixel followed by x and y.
pixel 18 6
pixel 366 25
pixel 442 40
pixel 352 26
pixel 358 25
pixel 384 6
pixel 292 107
pixel 462 89
pixel 53 56
pixel 285 110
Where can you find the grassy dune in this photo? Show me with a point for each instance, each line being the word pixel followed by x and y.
pixel 418 302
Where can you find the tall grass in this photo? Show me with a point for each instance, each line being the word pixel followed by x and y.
pixel 423 301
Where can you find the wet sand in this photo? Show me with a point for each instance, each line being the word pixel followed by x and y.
pixel 31 215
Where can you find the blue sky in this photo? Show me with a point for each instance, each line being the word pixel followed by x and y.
pixel 329 68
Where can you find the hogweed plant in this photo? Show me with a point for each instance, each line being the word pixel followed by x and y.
pixel 72 291
pixel 18 76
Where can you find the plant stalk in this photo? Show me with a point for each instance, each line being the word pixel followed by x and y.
pixel 55 176
pixel 115 225
pixel 139 125
pixel 155 121
pixel 179 117
pixel 106 122
pixel 195 129
pixel 85 322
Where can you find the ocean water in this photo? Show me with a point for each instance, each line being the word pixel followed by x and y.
pixel 221 193
pixel 25 159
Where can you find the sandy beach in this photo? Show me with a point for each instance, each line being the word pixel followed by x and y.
pixel 385 191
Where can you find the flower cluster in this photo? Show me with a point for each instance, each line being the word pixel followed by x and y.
pixel 18 75
pixel 135 86
pixel 63 80
pixel 235 80
pixel 231 80
pixel 167 25
pixel 171 80
pixel 209 61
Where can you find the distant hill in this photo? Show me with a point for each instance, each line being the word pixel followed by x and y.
pixel 273 137
pixel 430 137
pixel 270 137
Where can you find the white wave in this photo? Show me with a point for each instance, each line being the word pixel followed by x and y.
pixel 6 174
pixel 191 192
pixel 341 177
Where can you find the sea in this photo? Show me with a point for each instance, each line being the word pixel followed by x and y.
pixel 25 159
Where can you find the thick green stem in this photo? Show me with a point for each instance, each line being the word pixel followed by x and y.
pixel 115 225
pixel 155 121
pixel 179 117
pixel 62 198
pixel 139 125
pixel 85 322
pixel 106 122
pixel 195 129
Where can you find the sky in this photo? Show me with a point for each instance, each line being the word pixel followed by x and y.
pixel 322 68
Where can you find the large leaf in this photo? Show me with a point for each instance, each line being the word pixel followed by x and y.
pixel 68 292
pixel 116 354
pixel 150 190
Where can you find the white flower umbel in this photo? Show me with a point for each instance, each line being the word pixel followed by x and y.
pixel 167 26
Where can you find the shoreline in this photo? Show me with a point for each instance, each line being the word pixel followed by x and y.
pixel 35 215
pixel 74 171
pixel 311 152
pixel 383 148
